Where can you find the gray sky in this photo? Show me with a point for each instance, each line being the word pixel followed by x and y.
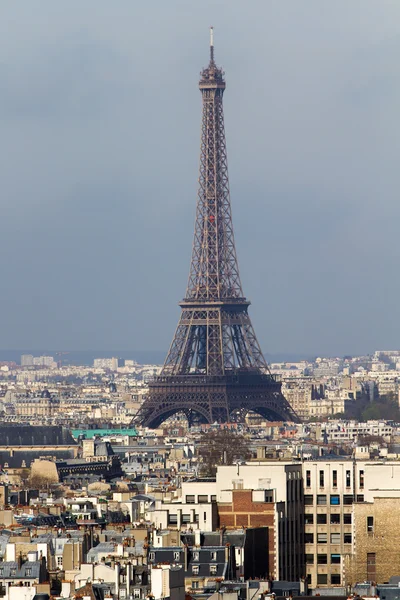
pixel 100 123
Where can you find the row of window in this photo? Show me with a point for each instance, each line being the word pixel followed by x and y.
pixel 195 555
pixel 322 559
pixel 322 579
pixel 322 538
pixel 334 519
pixel 334 499
pixel 335 478
pixel 13 572
pixel 213 569
pixel 186 518
pixel 201 499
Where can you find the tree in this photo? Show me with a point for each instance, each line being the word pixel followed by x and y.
pixel 221 447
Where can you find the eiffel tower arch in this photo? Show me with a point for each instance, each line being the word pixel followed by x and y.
pixel 215 369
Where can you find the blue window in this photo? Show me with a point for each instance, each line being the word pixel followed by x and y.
pixel 335 500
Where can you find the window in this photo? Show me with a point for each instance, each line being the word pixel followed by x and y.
pixel 347 519
pixel 370 524
pixel 335 538
pixel 195 556
pixel 196 518
pixel 321 519
pixel 308 500
pixel 13 572
pixel 308 478
pixel 195 584
pixel 195 569
pixel 190 499
pixel 152 556
pixel 335 519
pixel 213 569
pixel 308 519
pixel 202 499
pixel 321 479
pixel 322 538
pixel 348 478
pixel 213 556
pixel 347 538
pixel 371 566
pixel 335 500
pixel 322 559
pixel 136 593
pixel 347 499
pixel 361 479
pixel 335 559
pixel 213 498
pixel 28 572
pixel 309 538
pixel 177 555
pixel 172 519
pixel 309 579
pixel 204 516
pixel 321 499
pixel 335 578
pixel 268 496
pixel 59 561
pixel 186 518
pixel 322 578
pixel 360 497
pixel 309 559
pixel 237 484
pixel 334 478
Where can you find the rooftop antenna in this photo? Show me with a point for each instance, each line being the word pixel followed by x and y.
pixel 212 44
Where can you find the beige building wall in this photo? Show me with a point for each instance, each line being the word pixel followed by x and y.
pixel 72 556
pixel 376 555
pixel 44 471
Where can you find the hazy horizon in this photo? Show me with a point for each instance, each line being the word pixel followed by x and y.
pixel 100 116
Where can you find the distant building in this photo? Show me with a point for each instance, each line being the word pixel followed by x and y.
pixel 27 360
pixel 44 361
pixel 106 363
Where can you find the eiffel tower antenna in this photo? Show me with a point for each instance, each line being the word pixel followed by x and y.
pixel 215 369
pixel 211 44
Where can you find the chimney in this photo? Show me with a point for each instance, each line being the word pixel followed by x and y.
pixel 128 578
pixel 197 537
pixel 117 570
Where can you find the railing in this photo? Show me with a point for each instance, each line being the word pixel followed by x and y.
pixel 249 378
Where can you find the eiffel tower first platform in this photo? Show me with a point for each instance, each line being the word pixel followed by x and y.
pixel 215 369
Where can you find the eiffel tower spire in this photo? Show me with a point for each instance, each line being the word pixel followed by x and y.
pixel 215 369
pixel 214 272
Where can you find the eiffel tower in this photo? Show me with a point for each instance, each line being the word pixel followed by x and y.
pixel 215 369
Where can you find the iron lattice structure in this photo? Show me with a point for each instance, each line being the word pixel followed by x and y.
pixel 215 369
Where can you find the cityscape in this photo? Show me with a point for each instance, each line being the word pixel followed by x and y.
pixel 210 474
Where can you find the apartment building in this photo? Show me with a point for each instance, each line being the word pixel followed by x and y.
pixel 298 392
pixel 336 493
pixel 267 494
pixel 330 488
pixel 376 528
pixel 351 431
